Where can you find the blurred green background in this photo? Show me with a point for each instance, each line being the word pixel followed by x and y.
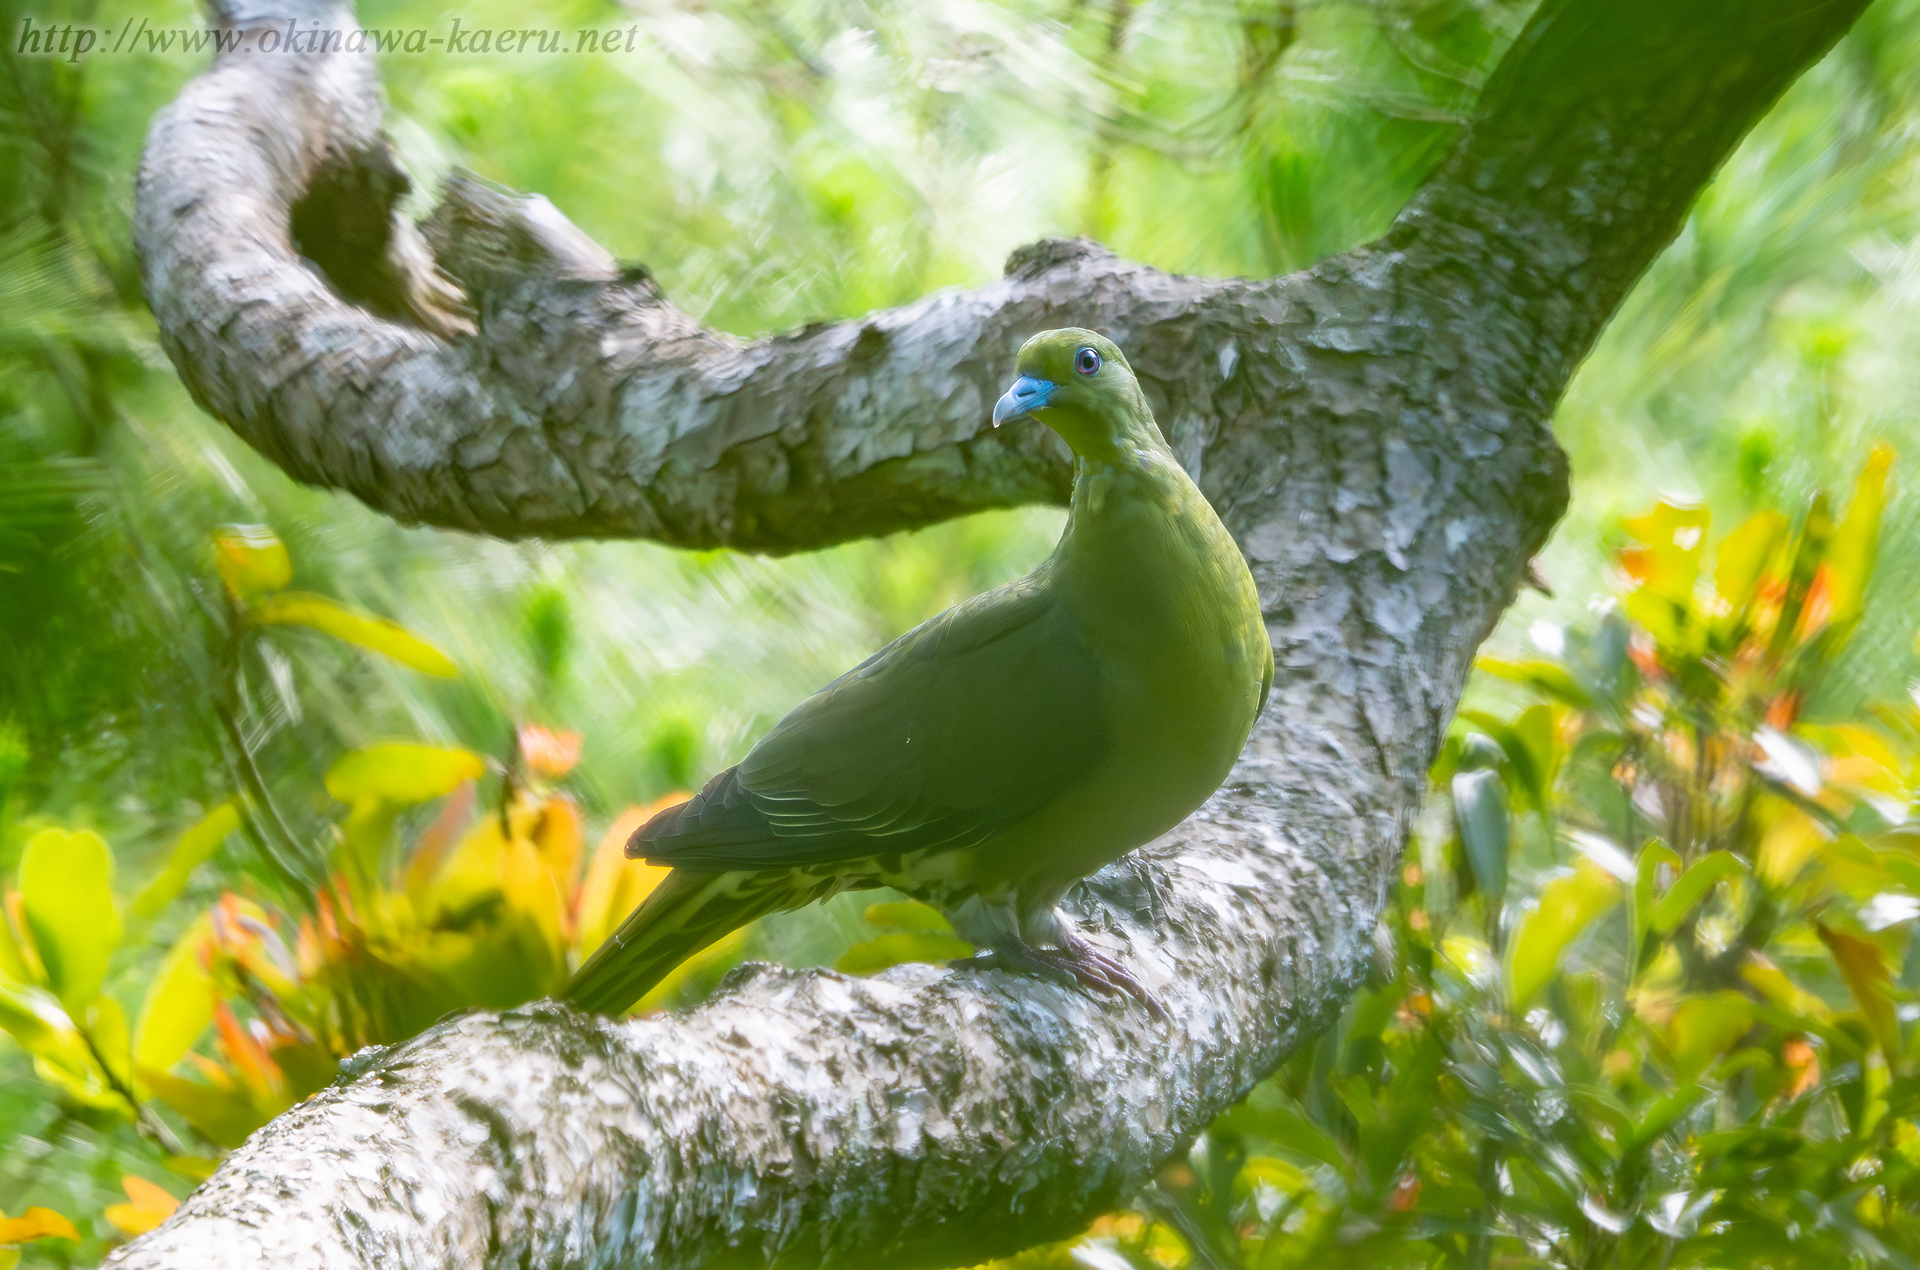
pixel 776 163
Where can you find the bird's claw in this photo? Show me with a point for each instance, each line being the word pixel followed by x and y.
pixel 1079 962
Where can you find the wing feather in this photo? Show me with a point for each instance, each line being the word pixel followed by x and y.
pixel 966 724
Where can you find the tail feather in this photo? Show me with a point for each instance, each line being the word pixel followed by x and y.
pixel 684 914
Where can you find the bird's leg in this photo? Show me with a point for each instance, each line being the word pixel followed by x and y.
pixel 1094 969
pixel 1017 941
pixel 1074 962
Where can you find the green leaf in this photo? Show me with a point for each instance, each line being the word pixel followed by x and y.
pixel 1652 856
pixel 1568 905
pixel 223 1116
pixel 1542 676
pixel 41 1027
pixel 106 1028
pixel 891 950
pixel 190 850
pixel 1480 810
pixel 251 560
pixel 1664 1110
pixel 66 896
pixel 301 608
pixel 1529 745
pixel 37 1023
pixel 178 1006
pixel 910 915
pixel 402 773
pixel 1691 888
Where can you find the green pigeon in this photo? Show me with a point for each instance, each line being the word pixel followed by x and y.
pixel 988 759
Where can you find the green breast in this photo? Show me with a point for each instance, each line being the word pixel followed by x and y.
pixel 1163 597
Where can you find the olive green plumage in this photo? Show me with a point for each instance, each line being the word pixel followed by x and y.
pixel 990 758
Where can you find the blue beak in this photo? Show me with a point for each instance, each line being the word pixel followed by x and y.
pixel 1026 396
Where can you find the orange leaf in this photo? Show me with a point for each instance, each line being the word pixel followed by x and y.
pixel 548 753
pixel 1802 1063
pixel 36 1223
pixel 1818 606
pixel 150 1206
pixel 256 1067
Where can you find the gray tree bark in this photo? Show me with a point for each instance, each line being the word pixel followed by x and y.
pixel 1374 430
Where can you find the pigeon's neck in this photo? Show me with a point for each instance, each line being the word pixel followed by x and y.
pixel 1137 476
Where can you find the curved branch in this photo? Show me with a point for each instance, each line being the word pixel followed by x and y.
pixel 1374 431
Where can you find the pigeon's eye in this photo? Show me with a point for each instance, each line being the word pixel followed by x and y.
pixel 1086 361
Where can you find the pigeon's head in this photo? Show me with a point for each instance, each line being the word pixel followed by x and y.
pixel 1079 384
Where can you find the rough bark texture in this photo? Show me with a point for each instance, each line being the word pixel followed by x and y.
pixel 1374 430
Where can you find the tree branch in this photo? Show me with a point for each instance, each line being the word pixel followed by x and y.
pixel 1374 430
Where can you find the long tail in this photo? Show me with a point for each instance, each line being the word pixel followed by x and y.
pixel 684 914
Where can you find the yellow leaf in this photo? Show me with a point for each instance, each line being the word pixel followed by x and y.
pixel 703 965
pixel 615 885
pixel 1787 844
pixel 530 890
pixel 105 1025
pixel 251 560
pixel 36 1223
pixel 402 773
pixel 1856 539
pixel 557 837
pixel 1865 970
pixel 13 958
pixel 149 1206
pixel 1774 984
pixel 1663 573
pixel 178 1006
pixel 66 889
pixel 910 915
pixel 1703 1028
pixel 1568 905
pixel 301 608
pixel 189 851
pixel 195 1168
pixel 1741 561
pixel 1675 536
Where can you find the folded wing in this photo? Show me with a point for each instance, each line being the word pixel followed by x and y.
pixel 955 730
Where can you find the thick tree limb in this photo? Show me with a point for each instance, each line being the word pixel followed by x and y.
pixel 1374 430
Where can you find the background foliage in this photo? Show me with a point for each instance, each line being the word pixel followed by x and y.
pixel 778 163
